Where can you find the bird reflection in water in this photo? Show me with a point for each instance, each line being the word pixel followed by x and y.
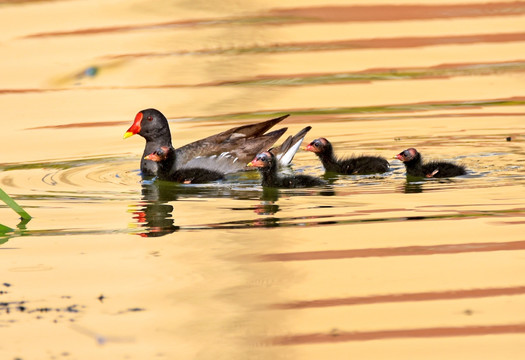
pixel 413 187
pixel 153 212
pixel 267 207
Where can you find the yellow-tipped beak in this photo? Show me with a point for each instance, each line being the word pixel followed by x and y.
pixel 249 164
pixel 128 134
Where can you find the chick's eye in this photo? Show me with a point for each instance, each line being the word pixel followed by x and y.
pixel 406 153
pixel 149 118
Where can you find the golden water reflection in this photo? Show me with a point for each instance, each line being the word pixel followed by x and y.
pixel 116 266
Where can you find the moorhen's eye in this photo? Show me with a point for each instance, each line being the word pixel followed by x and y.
pixel 149 118
pixel 406 153
pixel 317 143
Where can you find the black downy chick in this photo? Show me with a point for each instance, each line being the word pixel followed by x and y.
pixel 267 164
pixel 433 169
pixel 355 165
pixel 164 157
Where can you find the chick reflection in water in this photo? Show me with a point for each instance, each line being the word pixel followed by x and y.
pixel 413 187
pixel 267 207
pixel 153 211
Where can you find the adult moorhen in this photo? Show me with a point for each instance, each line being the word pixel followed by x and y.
pixel 437 169
pixel 266 161
pixel 235 147
pixel 165 156
pixel 355 165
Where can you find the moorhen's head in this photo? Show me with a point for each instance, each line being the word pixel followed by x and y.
pixel 159 155
pixel 264 159
pixel 319 146
pixel 407 155
pixel 150 124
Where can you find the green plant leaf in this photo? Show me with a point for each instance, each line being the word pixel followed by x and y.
pixel 13 205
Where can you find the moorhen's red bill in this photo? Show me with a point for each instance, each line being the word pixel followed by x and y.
pixel 438 169
pixel 358 165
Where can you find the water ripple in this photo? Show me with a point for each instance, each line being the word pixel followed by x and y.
pixel 95 178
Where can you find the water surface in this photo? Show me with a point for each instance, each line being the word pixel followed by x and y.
pixel 378 266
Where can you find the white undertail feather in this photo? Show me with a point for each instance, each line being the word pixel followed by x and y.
pixel 286 158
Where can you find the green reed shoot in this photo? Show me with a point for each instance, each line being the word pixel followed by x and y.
pixel 13 205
